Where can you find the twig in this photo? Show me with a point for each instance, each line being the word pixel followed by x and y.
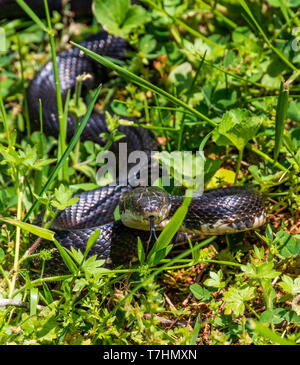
pixel 169 302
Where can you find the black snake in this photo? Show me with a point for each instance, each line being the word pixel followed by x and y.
pixel 218 211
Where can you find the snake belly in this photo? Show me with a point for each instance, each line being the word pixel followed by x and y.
pixel 218 211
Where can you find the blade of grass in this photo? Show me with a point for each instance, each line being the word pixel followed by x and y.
pixel 28 129
pixel 68 150
pixel 34 298
pixel 122 72
pixel 5 122
pixel 17 243
pixel 147 85
pixel 196 330
pixel 155 107
pixel 49 31
pixel 38 176
pixel 36 230
pixel 281 113
pixel 66 258
pixel 266 39
pixel 60 109
pixel 204 141
pixel 170 230
pixel 32 15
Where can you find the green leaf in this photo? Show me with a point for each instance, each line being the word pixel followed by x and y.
pixel 200 293
pixel 181 76
pixel 215 280
pixel 259 252
pixel 169 231
pixel 269 233
pixel 196 330
pixel 80 284
pixel 63 197
pixel 2 255
pixel 235 298
pixel 77 108
pixel 147 44
pixel 93 266
pixel 141 251
pixel 276 316
pixel 289 246
pixel 90 266
pixel 158 255
pixel 38 231
pixel 91 241
pixel 289 285
pixel 294 110
pixel 272 82
pixel 221 177
pixel 47 294
pixel 237 127
pixel 281 113
pixel 266 317
pixel 66 258
pixel 47 332
pixel 34 297
pixel 261 271
pixel 119 16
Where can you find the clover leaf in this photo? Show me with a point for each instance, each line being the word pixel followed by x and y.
pixel 237 127
pixel 119 16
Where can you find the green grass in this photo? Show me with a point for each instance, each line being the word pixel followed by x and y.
pixel 219 79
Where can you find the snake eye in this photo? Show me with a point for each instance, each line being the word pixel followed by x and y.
pixel 137 206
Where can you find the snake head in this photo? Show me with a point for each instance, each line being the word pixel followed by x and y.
pixel 144 206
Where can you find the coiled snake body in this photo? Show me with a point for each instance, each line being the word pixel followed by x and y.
pixel 218 211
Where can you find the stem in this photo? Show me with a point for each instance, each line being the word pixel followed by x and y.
pixel 24 91
pixel 39 173
pixel 78 87
pixel 17 245
pixel 5 278
pixel 252 310
pixel 63 174
pixel 266 157
pixel 4 118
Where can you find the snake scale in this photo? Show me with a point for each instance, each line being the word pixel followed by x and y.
pixel 217 211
